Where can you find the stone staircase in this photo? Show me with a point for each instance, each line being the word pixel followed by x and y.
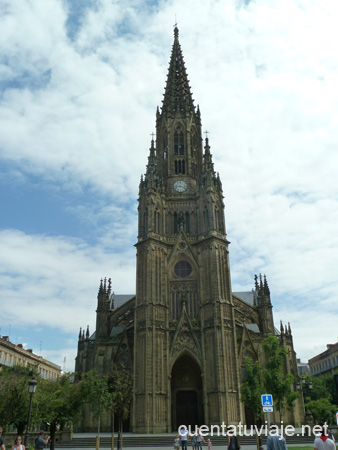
pixel 165 440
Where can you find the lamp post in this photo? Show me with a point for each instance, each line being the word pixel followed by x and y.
pixel 31 389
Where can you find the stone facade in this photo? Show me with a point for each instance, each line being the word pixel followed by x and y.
pixel 184 335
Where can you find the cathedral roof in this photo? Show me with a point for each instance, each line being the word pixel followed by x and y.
pixel 247 297
pixel 121 299
pixel 177 96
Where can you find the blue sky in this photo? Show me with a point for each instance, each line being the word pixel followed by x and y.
pixel 79 86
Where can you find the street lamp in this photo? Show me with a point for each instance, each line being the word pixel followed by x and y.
pixel 31 389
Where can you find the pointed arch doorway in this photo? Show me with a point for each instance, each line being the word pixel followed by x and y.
pixel 186 392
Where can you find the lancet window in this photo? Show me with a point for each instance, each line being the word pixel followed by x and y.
pixel 178 142
pixel 179 166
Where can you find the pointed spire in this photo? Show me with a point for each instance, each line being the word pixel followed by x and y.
pixel 83 335
pixel 99 294
pixel 286 330
pixel 266 286
pixel 256 283
pixel 112 300
pixel 177 96
pixel 289 328
pixel 260 282
pixel 281 328
pixel 87 332
pixel 80 334
pixel 109 287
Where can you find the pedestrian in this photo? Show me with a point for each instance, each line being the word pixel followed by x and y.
pixel 2 444
pixel 322 441
pixel 275 441
pixel 194 441
pixel 209 444
pixel 184 435
pixel 233 443
pixel 18 444
pixel 199 439
pixel 177 442
pixel 40 441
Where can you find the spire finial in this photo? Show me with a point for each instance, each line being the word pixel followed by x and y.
pixel 266 286
pixel 256 283
pixel 176 32
pixel 109 286
pixel 87 332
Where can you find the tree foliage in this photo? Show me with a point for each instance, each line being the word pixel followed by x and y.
pixel 322 409
pixel 270 378
pixel 251 388
pixel 14 395
pixel 275 380
pixel 321 398
pixel 57 402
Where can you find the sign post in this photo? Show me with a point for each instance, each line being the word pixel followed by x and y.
pixel 267 403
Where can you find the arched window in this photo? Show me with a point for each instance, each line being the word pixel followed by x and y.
pixel 178 142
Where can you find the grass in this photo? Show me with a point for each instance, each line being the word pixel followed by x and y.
pixel 306 447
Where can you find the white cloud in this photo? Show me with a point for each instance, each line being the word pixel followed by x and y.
pixel 54 281
pixel 265 77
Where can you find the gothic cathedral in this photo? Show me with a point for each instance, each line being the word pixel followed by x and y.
pixel 185 334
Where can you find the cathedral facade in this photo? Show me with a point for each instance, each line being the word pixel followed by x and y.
pixel 185 334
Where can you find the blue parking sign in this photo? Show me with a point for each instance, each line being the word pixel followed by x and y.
pixel 267 400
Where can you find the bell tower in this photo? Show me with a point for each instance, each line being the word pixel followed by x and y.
pixel 185 343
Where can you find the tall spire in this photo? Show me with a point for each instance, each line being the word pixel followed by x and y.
pixel 177 96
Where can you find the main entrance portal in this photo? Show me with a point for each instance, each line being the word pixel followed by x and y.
pixel 186 393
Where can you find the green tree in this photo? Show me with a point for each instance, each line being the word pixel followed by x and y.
pixel 317 390
pixel 97 395
pixel 58 401
pixel 275 380
pixel 321 397
pixel 251 390
pixel 322 409
pixel 14 396
pixel 120 385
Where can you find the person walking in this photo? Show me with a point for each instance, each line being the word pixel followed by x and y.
pixel 199 440
pixel 177 442
pixel 40 441
pixel 184 435
pixel 194 441
pixel 275 441
pixel 322 441
pixel 2 444
pixel 233 443
pixel 18 445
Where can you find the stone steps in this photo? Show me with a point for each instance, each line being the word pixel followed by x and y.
pixel 166 441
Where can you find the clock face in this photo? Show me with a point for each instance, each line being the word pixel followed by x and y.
pixel 180 186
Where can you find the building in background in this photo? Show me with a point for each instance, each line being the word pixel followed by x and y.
pixel 14 354
pixel 303 368
pixel 185 334
pixel 326 362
